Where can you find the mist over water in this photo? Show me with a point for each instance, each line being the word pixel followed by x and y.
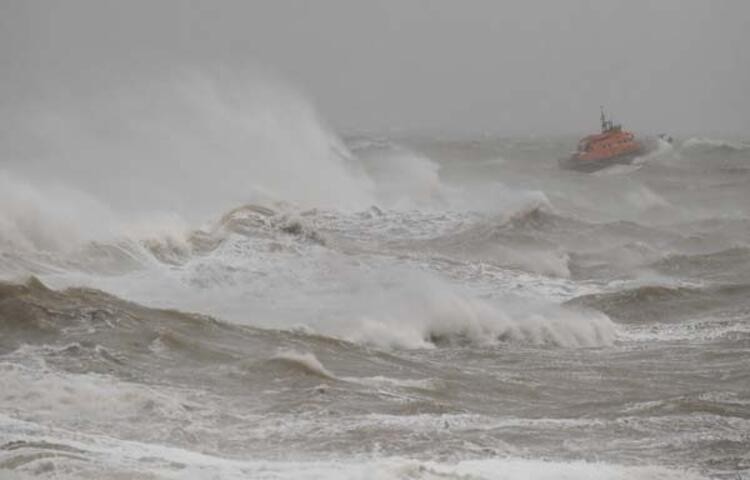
pixel 201 277
pixel 414 307
pixel 187 143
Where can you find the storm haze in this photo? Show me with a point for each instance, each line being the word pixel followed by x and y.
pixel 478 67
pixel 374 239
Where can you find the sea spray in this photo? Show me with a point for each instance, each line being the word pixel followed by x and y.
pixel 194 143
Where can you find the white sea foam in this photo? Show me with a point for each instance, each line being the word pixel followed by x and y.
pixel 194 143
pixel 42 395
pixel 126 458
pixel 619 170
pixel 404 179
pixel 48 216
pixel 662 150
pixel 705 142
pixel 420 311
pixel 381 381
pixel 323 259
pixel 645 199
pixel 704 329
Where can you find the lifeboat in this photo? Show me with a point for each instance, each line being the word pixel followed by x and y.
pixel 613 145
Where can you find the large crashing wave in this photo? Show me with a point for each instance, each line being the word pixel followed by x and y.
pixel 414 312
pixel 189 144
pixel 404 179
pixel 48 217
pixel 149 159
pixel 102 189
pixel 410 310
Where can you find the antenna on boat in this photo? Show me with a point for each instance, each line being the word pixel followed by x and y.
pixel 605 127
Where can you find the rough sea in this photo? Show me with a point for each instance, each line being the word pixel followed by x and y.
pixel 201 285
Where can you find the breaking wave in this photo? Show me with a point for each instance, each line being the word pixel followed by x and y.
pixel 423 313
pixel 404 179
pixel 703 144
pixel 305 363
pixel 426 313
pixel 48 216
pixel 653 303
pixel 364 298
pixel 514 239
pixel 194 144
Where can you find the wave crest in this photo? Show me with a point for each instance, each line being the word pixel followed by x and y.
pixel 656 302
pixel 713 144
pixel 305 363
pixel 428 314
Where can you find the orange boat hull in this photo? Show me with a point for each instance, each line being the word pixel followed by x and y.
pixel 575 162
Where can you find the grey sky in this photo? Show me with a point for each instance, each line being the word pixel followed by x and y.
pixel 498 67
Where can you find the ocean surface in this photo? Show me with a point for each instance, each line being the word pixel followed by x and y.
pixel 249 296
